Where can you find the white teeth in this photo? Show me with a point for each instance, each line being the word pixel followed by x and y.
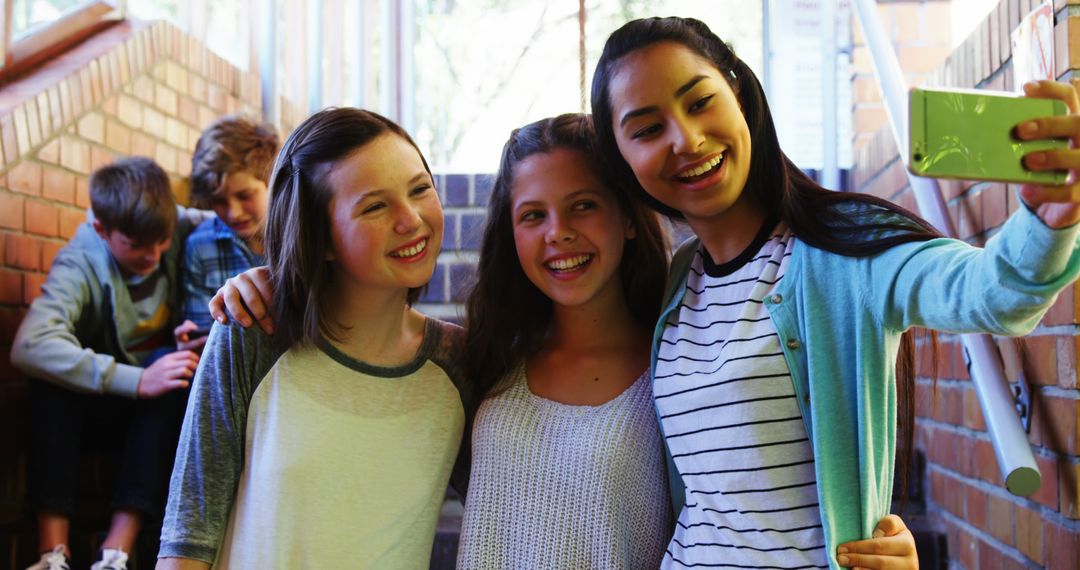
pixel 703 168
pixel 569 263
pixel 411 251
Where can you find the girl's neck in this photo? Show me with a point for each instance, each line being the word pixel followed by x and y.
pixel 376 327
pixel 604 322
pixel 727 234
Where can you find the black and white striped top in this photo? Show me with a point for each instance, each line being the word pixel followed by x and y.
pixel 729 413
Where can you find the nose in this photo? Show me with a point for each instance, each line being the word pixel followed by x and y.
pixel 408 220
pixel 559 230
pixel 687 137
pixel 235 209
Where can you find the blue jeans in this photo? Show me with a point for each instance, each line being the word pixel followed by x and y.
pixel 60 421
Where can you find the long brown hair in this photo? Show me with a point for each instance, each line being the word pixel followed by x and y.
pixel 845 223
pixel 508 317
pixel 298 219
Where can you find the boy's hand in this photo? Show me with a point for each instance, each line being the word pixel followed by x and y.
pixel 1057 206
pixel 168 373
pixel 892 548
pixel 246 297
pixel 186 339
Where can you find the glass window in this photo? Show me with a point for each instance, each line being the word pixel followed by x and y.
pixel 484 67
pixel 30 15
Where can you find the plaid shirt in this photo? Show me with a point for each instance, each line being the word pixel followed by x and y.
pixel 212 254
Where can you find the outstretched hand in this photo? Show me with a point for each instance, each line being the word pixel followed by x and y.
pixel 891 548
pixel 1057 206
pixel 246 296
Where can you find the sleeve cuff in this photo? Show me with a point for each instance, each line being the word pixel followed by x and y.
pixel 125 380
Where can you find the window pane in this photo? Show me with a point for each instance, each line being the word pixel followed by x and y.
pixel 154 10
pixel 484 67
pixel 27 15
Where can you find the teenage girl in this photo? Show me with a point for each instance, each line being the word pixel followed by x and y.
pixel 775 356
pixel 330 443
pixel 567 462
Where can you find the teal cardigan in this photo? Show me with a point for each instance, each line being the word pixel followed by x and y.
pixel 840 319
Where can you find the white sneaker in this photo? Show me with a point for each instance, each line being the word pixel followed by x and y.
pixel 54 560
pixel 111 559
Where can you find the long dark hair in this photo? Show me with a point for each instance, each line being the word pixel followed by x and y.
pixel 298 219
pixel 508 317
pixel 840 222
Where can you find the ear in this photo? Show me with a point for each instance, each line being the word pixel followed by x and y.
pixel 100 229
pixel 629 231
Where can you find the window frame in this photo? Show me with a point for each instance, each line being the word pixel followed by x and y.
pixel 48 41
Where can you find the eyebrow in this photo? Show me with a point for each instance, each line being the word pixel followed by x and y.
pixel 652 109
pixel 570 196
pixel 380 191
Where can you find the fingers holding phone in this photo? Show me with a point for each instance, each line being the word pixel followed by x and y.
pixel 1057 205
pixel 190 337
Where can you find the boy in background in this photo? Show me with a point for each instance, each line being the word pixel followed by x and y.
pixel 99 343
pixel 230 169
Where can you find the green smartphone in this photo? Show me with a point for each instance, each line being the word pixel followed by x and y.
pixel 969 134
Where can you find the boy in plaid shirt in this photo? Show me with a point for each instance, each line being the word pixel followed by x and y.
pixel 229 173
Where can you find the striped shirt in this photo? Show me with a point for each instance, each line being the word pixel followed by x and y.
pixel 729 414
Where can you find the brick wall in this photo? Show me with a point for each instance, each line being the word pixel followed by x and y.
pixel 986 526
pixel 135 89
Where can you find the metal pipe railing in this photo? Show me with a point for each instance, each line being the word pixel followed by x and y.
pixel 1017 463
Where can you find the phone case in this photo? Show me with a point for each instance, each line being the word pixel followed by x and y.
pixel 968 134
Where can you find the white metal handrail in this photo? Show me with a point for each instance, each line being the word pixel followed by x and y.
pixel 1017 463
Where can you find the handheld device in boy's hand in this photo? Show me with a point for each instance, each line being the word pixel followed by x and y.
pixel 970 135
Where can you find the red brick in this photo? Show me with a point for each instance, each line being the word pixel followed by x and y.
pixel 32 283
pixel 1000 513
pixel 100 157
pixel 143 145
pixel 59 185
pixel 973 416
pixel 92 127
pixel 11 211
pixel 75 154
pixel 70 220
pixel 41 218
pixel 969 549
pixel 1029 533
pixel 975 503
pixel 1066 359
pixel 1040 360
pixel 23 252
pixel 1063 551
pixel 10 287
pixel 1048 492
pixel 188 111
pixel 1057 420
pixel 82 192
pixel 1063 311
pixel 49 250
pixel 130 111
pixel 50 153
pixel 1069 489
pixel 118 137
pixel 986 462
pixel 166 100
pixel 25 178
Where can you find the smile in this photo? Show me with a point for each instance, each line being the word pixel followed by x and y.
pixel 697 172
pixel 412 250
pixel 568 264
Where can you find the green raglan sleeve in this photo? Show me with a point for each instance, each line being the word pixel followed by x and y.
pixel 210 455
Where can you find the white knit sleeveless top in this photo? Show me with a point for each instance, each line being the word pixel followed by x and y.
pixel 562 486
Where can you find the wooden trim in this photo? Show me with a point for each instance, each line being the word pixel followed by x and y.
pixel 51 41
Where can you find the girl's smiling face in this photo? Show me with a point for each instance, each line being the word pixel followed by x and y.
pixel 386 222
pixel 569 230
pixel 681 129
